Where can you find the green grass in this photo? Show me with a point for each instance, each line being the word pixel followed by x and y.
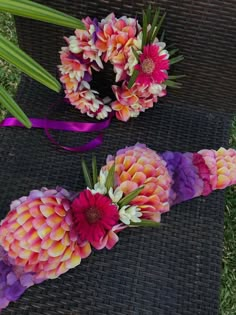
pixel 228 287
pixel 9 75
pixel 9 78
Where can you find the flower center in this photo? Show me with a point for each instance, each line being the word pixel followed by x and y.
pixel 93 215
pixel 148 65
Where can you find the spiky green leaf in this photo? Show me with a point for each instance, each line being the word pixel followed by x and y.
pixel 133 79
pixel 149 14
pixel 145 223
pixel 36 11
pixel 173 51
pixel 7 101
pixel 110 178
pixel 145 25
pixel 17 57
pixel 87 177
pixel 176 59
pixel 173 84
pixel 135 53
pixel 154 23
pixel 127 199
pixel 162 36
pixel 154 35
pixel 95 169
pixel 174 77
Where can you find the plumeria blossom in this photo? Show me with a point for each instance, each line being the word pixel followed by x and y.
pixel 118 41
pixel 129 214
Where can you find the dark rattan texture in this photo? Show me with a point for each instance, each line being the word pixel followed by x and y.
pixel 171 270
pixel 174 270
pixel 205 32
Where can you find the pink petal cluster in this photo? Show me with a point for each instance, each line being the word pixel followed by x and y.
pixel 38 234
pixel 136 166
pixel 113 40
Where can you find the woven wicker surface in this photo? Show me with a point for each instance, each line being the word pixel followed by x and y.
pixel 166 271
pixel 204 31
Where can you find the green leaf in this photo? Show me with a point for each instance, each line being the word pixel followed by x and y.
pixel 154 35
pixel 149 14
pixel 154 23
pixel 110 177
pixel 17 57
pixel 95 170
pixel 162 36
pixel 173 51
pixel 176 59
pixel 133 78
pixel 172 84
pixel 145 25
pixel 127 199
pixel 36 11
pixel 174 77
pixel 87 177
pixel 145 223
pixel 135 53
pixel 7 101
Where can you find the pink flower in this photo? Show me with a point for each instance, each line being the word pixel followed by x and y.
pixel 153 65
pixel 94 217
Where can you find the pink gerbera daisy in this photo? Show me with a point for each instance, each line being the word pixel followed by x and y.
pixel 153 65
pixel 94 216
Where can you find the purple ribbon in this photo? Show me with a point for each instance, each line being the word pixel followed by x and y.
pixel 47 124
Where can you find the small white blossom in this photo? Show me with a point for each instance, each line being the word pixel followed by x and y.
pixel 74 45
pixel 130 214
pixel 100 187
pixel 116 194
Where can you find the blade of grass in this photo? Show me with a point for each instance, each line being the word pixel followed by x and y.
pixel 146 223
pixel 132 79
pixel 154 35
pixel 174 77
pixel 7 101
pixel 127 199
pixel 145 25
pixel 135 53
pixel 176 59
pixel 173 51
pixel 87 177
pixel 154 23
pixel 110 178
pixel 36 11
pixel 14 55
pixel 172 84
pixel 95 170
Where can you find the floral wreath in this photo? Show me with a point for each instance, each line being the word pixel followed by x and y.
pixel 140 60
pixel 51 230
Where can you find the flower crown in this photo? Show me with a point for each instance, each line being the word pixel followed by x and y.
pixel 140 60
pixel 51 230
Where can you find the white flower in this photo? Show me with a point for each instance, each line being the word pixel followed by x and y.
pixel 116 194
pixel 100 187
pixel 130 214
pixel 74 45
pixel 155 89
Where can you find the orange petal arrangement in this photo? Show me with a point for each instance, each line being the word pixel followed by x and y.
pixel 48 232
pixel 140 59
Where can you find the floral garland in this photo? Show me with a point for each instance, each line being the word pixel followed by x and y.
pixel 140 60
pixel 51 230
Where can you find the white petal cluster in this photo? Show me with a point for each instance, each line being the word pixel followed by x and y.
pixel 130 214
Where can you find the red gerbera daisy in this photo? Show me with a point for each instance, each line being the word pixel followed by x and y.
pixel 153 65
pixel 94 215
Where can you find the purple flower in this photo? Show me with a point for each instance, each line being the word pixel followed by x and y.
pixel 186 182
pixel 13 292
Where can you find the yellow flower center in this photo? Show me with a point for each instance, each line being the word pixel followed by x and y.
pixel 148 66
pixel 93 215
